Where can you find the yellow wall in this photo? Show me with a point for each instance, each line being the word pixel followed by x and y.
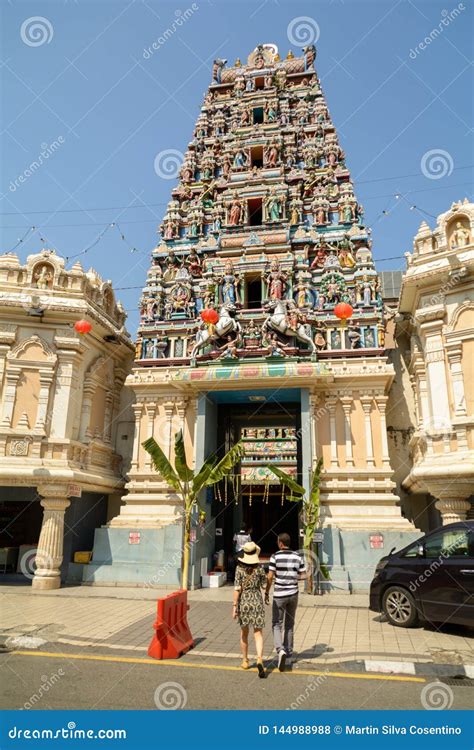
pixel 26 400
pixel 468 374
pixel 358 435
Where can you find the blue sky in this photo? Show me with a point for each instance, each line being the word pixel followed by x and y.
pixel 79 82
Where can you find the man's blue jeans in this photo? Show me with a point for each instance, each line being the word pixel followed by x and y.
pixel 283 622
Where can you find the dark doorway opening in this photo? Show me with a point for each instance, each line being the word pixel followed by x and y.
pixel 21 517
pixel 255 212
pixel 254 294
pixel 269 517
pixel 256 156
pixel 267 514
pixel 258 115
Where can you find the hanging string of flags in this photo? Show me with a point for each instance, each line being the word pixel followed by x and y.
pixel 113 225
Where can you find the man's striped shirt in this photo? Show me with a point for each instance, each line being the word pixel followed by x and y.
pixel 286 566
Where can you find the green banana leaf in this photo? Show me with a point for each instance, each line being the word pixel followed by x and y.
pixel 203 473
pixel 225 465
pixel 161 463
pixel 324 571
pixel 315 484
pixel 182 469
pixel 290 483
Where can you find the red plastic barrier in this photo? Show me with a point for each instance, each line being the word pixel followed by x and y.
pixel 172 635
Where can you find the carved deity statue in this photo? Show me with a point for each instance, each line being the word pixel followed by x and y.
pixel 171 267
pixel 295 212
pixel 461 237
pixel 270 155
pixel 43 278
pixel 319 259
pixel 193 263
pixel 276 281
pixel 273 205
pixel 229 285
pixel 217 66
pixel 240 159
pixel 236 211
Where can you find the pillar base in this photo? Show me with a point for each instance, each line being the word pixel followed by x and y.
pixel 46 583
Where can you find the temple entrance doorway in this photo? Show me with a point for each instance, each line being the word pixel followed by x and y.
pixel 253 497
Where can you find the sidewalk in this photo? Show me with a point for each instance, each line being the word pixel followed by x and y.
pixel 331 630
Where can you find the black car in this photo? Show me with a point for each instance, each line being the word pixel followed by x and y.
pixel 432 579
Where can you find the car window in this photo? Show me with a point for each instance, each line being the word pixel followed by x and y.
pixel 448 544
pixel 412 551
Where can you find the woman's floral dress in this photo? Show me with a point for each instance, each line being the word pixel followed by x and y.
pixel 249 582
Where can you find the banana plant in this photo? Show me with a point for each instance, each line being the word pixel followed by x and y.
pixel 309 513
pixel 188 484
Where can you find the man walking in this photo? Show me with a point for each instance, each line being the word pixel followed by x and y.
pixel 285 569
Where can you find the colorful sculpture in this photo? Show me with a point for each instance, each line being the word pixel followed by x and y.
pixel 264 225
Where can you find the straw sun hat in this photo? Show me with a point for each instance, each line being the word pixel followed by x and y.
pixel 249 554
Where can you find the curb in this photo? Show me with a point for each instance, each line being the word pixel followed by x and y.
pixel 418 669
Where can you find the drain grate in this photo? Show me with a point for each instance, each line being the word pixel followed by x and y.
pixel 460 681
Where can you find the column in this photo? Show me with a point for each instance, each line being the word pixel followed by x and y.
pixel 381 402
pixel 11 379
pixel 440 416
pixel 331 407
pixel 314 402
pixel 46 378
pixel 424 398
pixel 50 545
pixel 151 413
pixel 455 365
pixel 137 411
pixel 307 449
pixel 66 406
pixel 181 408
pixel 366 402
pixel 169 407
pixel 87 395
pixel 346 402
pixel 453 509
pixel 109 400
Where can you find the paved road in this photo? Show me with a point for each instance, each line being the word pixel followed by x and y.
pixel 99 681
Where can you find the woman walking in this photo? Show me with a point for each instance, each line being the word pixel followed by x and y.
pixel 248 605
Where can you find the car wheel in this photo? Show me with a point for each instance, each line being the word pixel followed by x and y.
pixel 399 607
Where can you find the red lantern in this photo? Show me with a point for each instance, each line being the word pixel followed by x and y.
pixel 82 327
pixel 209 316
pixel 343 311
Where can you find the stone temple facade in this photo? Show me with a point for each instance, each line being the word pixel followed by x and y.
pixel 65 420
pixel 437 325
pixel 262 239
pixel 262 248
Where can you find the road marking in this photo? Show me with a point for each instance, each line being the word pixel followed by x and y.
pixel 221 667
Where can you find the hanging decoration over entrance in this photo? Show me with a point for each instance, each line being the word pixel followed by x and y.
pixel 277 445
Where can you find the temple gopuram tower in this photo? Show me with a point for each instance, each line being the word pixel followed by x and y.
pixel 263 242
